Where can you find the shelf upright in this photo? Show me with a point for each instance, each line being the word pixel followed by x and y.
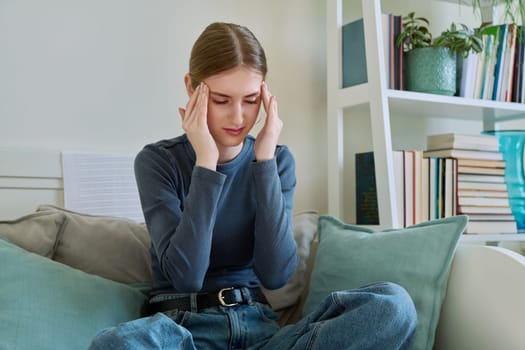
pixel 374 93
pixel 380 114
pixel 334 23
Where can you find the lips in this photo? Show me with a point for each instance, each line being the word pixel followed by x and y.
pixel 233 131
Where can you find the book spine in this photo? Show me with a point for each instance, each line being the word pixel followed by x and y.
pixel 392 50
pixel 354 54
pixel 516 81
pixel 511 66
pixel 500 49
pixel 367 212
pixel 397 53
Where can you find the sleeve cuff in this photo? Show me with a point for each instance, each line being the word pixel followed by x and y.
pixel 208 175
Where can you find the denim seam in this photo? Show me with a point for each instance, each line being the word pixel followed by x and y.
pixel 313 336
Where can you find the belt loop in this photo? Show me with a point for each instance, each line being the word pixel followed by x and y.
pixel 246 295
pixel 193 302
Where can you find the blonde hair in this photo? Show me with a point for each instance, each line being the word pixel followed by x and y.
pixel 223 46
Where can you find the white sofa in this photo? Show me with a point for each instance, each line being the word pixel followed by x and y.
pixel 485 303
pixel 484 306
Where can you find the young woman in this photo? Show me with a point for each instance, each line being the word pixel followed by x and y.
pixel 218 205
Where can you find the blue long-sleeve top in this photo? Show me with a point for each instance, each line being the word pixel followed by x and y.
pixel 215 229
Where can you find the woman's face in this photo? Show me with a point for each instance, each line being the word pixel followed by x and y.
pixel 233 106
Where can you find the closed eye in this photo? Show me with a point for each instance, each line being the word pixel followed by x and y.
pixel 220 102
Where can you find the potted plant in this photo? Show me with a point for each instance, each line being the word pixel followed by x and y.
pixel 430 64
pixel 514 10
pixel 463 40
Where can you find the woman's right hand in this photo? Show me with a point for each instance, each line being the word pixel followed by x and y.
pixel 195 124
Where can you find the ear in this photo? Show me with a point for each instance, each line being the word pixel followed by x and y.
pixel 187 83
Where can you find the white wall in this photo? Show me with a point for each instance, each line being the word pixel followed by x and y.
pixel 107 75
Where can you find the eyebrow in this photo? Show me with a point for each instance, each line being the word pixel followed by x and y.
pixel 255 94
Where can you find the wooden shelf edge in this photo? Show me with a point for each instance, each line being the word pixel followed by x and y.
pixel 433 105
pixel 502 237
pixel 455 100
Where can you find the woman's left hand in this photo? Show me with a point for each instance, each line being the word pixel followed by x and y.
pixel 266 140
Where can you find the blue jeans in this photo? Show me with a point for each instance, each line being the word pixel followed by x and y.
pixel 379 316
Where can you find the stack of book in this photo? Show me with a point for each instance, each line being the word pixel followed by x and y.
pixel 425 188
pixel 497 72
pixel 481 191
pixel 457 174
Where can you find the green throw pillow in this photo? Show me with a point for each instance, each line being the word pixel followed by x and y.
pixel 417 257
pixel 48 305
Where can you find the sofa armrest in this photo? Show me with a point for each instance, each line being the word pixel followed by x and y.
pixel 485 303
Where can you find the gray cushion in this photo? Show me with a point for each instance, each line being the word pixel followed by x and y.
pixel 109 247
pixel 36 232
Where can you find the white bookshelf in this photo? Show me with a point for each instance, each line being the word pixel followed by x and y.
pixel 381 102
pixel 495 238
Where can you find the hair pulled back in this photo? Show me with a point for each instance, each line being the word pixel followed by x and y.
pixel 223 46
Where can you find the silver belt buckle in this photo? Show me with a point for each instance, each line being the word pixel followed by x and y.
pixel 221 297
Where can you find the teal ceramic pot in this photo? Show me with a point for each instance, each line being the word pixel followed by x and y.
pixel 431 70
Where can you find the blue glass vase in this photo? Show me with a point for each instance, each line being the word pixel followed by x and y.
pixel 511 144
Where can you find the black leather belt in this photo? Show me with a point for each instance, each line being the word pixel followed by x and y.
pixel 225 297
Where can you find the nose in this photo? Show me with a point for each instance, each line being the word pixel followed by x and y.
pixel 237 114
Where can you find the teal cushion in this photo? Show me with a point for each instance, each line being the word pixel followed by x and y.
pixel 48 305
pixel 418 258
